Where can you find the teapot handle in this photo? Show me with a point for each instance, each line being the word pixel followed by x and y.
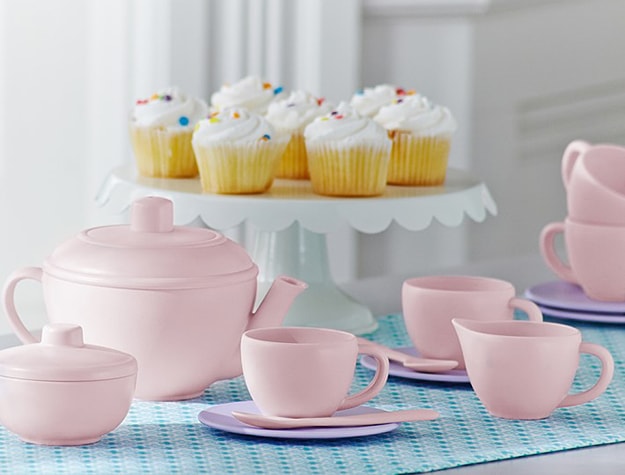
pixel 8 293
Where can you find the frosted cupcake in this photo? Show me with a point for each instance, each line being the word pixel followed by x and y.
pixel 290 116
pixel 348 154
pixel 421 134
pixel 369 100
pixel 250 92
pixel 161 128
pixel 237 151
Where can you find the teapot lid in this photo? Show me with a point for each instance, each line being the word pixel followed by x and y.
pixel 151 253
pixel 62 356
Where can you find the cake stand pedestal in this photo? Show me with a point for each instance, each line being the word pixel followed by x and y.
pixel 292 222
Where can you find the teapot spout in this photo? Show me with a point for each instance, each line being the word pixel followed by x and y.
pixel 277 302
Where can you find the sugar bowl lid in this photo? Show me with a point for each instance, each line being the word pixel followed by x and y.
pixel 63 356
pixel 151 253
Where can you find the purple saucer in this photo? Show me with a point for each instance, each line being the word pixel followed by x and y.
pixel 397 369
pixel 567 296
pixel 581 316
pixel 220 417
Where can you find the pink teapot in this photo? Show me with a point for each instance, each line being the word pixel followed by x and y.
pixel 176 298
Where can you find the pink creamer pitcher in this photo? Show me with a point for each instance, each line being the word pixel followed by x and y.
pixel 176 298
pixel 524 369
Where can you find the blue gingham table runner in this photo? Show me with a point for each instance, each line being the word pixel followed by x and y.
pixel 166 437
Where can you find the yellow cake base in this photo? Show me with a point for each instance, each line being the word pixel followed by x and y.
pixel 341 171
pixel 163 153
pixel 418 161
pixel 294 161
pixel 238 169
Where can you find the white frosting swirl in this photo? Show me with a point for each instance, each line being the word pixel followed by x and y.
pixel 417 115
pixel 296 111
pixel 368 101
pixel 169 108
pixel 233 124
pixel 345 125
pixel 249 92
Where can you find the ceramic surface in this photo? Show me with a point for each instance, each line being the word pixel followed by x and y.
pixel 582 316
pixel 63 392
pixel 275 422
pixel 569 296
pixel 429 304
pixel 593 178
pixel 306 372
pixel 398 370
pixel 596 255
pixel 176 298
pixel 220 417
pixel 524 370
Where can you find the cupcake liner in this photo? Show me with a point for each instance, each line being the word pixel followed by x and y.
pixel 243 168
pixel 163 153
pixel 418 161
pixel 348 171
pixel 294 161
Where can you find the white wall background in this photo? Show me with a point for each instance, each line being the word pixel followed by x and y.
pixel 523 78
pixel 44 196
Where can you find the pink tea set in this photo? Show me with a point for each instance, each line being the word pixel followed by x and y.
pixel 151 311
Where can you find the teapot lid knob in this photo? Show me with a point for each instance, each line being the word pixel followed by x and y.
pixel 62 334
pixel 152 214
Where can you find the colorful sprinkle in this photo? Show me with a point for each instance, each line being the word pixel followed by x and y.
pixel 360 92
pixel 197 126
pixel 320 100
pixel 167 97
pixel 154 96
pixel 278 90
pixel 213 114
pixel 142 101
pixel 339 116
pixel 266 85
pixel 399 101
pixel 400 92
pixel 183 120
pixel 214 120
pixel 324 118
pixel 235 115
pixel 265 138
pixel 290 104
pixel 334 112
pixel 411 92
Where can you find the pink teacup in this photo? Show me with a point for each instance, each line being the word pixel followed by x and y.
pixel 430 303
pixel 304 371
pixel 596 255
pixel 594 177
pixel 524 370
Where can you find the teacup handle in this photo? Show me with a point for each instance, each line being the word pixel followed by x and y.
pixel 571 154
pixel 607 372
pixel 34 273
pixel 547 249
pixel 529 307
pixel 376 384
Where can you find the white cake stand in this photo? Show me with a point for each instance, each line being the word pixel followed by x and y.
pixel 292 223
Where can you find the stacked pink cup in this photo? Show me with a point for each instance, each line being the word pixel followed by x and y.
pixel 594 229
